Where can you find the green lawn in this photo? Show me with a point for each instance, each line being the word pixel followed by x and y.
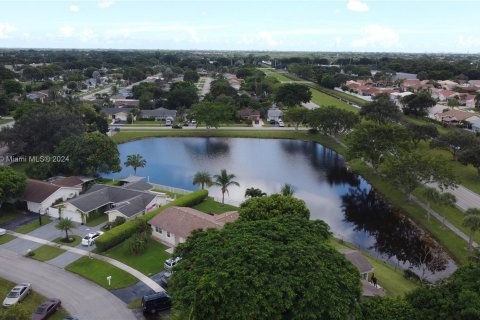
pixel 135 304
pixel 31 302
pixel 98 271
pixel 214 207
pixel 345 96
pixel 9 213
pixel 109 182
pixel 6 238
pixel 75 243
pixel 97 220
pixel 392 280
pixel 29 227
pixel 323 99
pixel 150 262
pixel 3 121
pixel 45 253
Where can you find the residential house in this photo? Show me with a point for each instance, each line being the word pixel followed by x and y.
pixel 158 114
pixel 365 268
pixel 398 96
pixel 448 84
pixel 249 113
pixel 442 94
pixel 81 182
pixel 175 224
pixel 38 96
pixel 455 116
pixel 412 85
pixel 475 125
pixel 436 109
pixel 128 201
pixel 274 114
pixel 474 83
pixel 41 195
pixel 126 103
pixel 466 99
pixel 117 113
pixel 368 91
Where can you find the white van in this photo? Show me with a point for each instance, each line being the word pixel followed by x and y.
pixel 168 122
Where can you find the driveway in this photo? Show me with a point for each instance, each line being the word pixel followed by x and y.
pixel 79 296
pixel 20 221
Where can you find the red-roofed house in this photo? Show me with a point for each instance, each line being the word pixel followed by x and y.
pixel 175 224
pixel 443 95
pixel 412 85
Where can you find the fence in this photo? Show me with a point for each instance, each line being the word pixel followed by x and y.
pixel 170 189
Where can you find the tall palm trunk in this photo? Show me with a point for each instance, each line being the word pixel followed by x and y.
pixel 66 234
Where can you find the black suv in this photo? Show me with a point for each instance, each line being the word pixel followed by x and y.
pixel 156 302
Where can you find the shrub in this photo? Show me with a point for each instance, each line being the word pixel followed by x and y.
pixel 121 233
pixel 118 221
pixel 137 244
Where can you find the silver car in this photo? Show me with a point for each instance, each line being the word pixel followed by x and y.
pixel 2 232
pixel 17 294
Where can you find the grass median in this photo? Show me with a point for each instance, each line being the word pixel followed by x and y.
pixel 98 271
pixel 45 253
pixel 33 225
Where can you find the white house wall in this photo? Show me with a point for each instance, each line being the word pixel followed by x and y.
pixel 62 193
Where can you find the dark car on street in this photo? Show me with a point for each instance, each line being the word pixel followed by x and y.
pixel 156 302
pixel 165 278
pixel 176 126
pixel 46 309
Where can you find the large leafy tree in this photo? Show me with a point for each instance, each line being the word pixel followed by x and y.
pixel 417 104
pixel 40 129
pixel 374 140
pixel 263 208
pixel 455 141
pixel 378 308
pixel 135 161
pixel 191 75
pixel 254 192
pixel 221 87
pixel 331 120
pixel 282 268
pixel 408 170
pixel 182 95
pixel 88 154
pixel 224 181
pixel 202 178
pixel 422 132
pixel 472 221
pixel 471 156
pixel 381 109
pixel 12 184
pixel 297 115
pixel 210 114
pixel 292 94
pixel 12 87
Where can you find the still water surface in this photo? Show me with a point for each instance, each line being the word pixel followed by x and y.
pixel 345 201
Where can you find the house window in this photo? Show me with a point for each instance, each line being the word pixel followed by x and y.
pixel 168 234
pixel 158 230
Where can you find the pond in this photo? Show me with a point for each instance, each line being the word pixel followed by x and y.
pixel 353 210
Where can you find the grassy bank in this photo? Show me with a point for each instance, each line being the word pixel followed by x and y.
pixel 213 207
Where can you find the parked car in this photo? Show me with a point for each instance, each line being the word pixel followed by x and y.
pixel 165 278
pixel 176 126
pixel 171 262
pixel 89 239
pixel 273 122
pixel 46 309
pixel 280 123
pixel 156 302
pixel 17 294
pixel 2 232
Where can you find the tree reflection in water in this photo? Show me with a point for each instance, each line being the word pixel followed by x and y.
pixel 395 235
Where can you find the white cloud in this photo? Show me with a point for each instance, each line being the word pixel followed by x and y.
pixel 87 35
pixel 105 3
pixel 74 8
pixel 6 29
pixel 378 37
pixel 469 42
pixel 357 5
pixel 266 37
pixel 66 31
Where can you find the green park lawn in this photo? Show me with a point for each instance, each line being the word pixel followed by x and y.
pixel 346 96
pixel 45 253
pixel 213 207
pixel 389 278
pixel 29 227
pixel 150 262
pixel 6 238
pixel 31 302
pixel 323 99
pixel 98 271
pixel 76 241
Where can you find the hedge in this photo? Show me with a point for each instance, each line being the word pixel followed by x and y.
pixel 124 231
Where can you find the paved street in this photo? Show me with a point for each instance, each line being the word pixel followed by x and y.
pixel 139 128
pixel 79 296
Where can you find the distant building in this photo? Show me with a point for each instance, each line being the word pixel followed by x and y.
pixel 158 114
pixel 456 116
pixel 274 113
pixel 120 114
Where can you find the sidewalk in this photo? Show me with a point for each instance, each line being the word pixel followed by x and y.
pixel 137 274
pixel 447 223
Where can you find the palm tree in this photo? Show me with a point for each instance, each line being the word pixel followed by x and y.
pixel 432 195
pixel 287 190
pixel 254 192
pixel 60 208
pixel 448 200
pixel 135 161
pixel 65 225
pixel 225 180
pixel 472 221
pixel 203 179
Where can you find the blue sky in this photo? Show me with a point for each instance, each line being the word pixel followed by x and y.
pixel 315 25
